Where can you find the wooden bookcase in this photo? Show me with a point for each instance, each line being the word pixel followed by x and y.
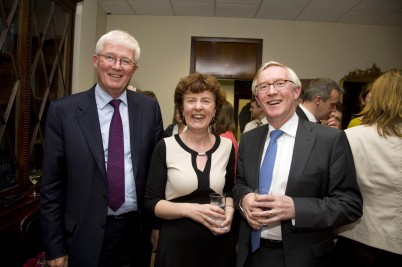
pixel 36 48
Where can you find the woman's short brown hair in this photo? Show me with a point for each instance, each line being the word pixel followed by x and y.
pixel 197 83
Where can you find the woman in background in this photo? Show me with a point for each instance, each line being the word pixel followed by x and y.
pixel 184 170
pixel 335 118
pixel 376 238
pixel 364 99
pixel 177 125
pixel 225 125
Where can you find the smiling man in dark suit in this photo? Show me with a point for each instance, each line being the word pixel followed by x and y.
pixel 313 189
pixel 81 224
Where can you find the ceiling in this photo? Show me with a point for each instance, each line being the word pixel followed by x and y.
pixel 367 12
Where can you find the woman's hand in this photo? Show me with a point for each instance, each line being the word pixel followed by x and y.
pixel 212 217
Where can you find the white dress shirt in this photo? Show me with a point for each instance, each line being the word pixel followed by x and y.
pixel 280 174
pixel 105 113
pixel 254 124
pixel 309 115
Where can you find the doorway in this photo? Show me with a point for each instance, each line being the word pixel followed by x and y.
pixel 353 84
pixel 241 105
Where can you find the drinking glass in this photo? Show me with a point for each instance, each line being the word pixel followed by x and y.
pixel 218 199
pixel 262 192
pixel 34 176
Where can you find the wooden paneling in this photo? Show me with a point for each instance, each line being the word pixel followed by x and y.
pixel 226 58
pixel 13 245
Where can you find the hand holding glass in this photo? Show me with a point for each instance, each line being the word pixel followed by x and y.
pixel 34 176
pixel 219 200
pixel 262 192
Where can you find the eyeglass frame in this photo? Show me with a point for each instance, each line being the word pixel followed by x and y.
pixel 278 83
pixel 112 60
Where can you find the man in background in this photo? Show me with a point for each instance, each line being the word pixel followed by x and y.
pixel 335 118
pixel 319 100
pixel 258 116
pixel 244 116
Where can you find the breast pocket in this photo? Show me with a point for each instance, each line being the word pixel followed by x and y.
pixel 313 184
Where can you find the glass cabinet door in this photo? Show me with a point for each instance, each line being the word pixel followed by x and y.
pixel 50 72
pixel 35 68
pixel 9 91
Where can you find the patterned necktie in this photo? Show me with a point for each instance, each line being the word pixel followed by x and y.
pixel 115 161
pixel 265 178
pixel 259 123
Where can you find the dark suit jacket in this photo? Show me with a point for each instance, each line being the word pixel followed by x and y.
pixel 322 183
pixel 74 185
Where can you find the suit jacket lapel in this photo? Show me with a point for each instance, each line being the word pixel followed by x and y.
pixel 135 117
pixel 260 143
pixel 304 142
pixel 87 117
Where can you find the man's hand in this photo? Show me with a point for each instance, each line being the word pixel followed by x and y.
pixel 265 209
pixel 272 208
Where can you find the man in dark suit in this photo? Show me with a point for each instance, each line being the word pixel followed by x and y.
pixel 79 226
pixel 313 189
pixel 319 100
pixel 244 116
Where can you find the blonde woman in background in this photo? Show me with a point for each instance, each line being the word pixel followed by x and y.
pixel 376 238
pixel 364 99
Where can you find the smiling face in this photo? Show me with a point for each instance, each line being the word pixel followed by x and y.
pixel 199 110
pixel 278 104
pixel 113 77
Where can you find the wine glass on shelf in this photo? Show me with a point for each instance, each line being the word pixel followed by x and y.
pixel 34 176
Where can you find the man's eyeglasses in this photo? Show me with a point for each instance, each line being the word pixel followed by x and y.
pixel 278 85
pixel 112 60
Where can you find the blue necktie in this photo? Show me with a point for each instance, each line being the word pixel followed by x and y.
pixel 115 160
pixel 265 178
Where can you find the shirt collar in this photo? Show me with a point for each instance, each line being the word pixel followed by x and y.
pixel 103 99
pixel 309 115
pixel 290 127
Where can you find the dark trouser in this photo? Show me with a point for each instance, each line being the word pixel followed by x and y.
pixel 124 244
pixel 268 254
pixel 353 253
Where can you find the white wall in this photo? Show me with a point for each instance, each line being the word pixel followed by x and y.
pixel 84 44
pixel 311 49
